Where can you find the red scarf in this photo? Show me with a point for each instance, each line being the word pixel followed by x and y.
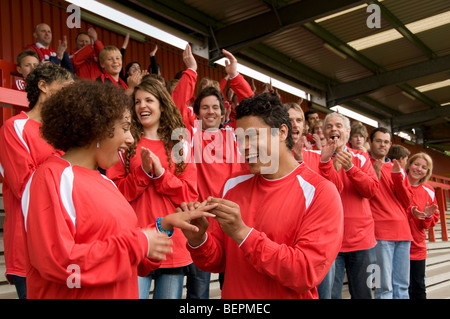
pixel 106 75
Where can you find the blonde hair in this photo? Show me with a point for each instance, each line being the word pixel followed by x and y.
pixel 107 49
pixel 296 107
pixel 359 128
pixel 429 161
pixel 317 123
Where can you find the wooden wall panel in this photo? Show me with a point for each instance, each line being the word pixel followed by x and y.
pixel 19 17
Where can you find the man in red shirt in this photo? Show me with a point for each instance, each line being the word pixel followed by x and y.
pixel 354 169
pixel 85 58
pixel 278 228
pixel 392 229
pixel 43 35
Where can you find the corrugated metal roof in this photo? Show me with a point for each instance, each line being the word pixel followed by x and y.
pixel 402 51
pixel 230 11
pixel 412 10
pixel 353 25
pixel 435 39
pixel 394 98
pixel 298 44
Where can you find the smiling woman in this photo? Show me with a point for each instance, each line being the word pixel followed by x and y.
pixel 154 179
pixel 92 119
pixel 74 217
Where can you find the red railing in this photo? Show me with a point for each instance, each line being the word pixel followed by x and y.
pixel 12 102
pixel 441 186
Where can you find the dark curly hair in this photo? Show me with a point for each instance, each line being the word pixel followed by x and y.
pixel 269 109
pixel 81 113
pixel 170 121
pixel 209 91
pixel 48 73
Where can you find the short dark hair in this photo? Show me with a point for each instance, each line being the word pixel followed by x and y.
pixel 129 65
pixel 270 109
pixel 398 151
pixel 24 54
pixel 47 72
pixel 81 33
pixel 81 113
pixel 379 129
pixel 307 113
pixel 209 91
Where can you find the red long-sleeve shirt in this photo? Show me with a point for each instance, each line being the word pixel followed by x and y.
pixel 85 61
pixel 216 153
pixel 243 90
pixel 312 159
pixel 422 195
pixel 389 205
pixel 22 150
pixel 153 197
pixel 359 184
pixel 297 230
pixel 217 157
pixel 82 235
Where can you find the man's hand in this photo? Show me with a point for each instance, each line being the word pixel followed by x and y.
pixel 189 59
pixel 344 158
pixel 297 149
pixel 377 165
pixel 396 168
pixel 328 150
pixel 197 218
pixel 62 47
pixel 228 214
pixel 92 34
pixel 230 64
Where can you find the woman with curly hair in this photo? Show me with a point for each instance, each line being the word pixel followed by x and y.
pixel 22 150
pixel 156 175
pixel 82 235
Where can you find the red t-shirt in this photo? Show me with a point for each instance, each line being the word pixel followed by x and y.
pixel 82 235
pixel 297 223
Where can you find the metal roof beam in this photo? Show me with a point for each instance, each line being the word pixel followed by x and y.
pixel 277 60
pixel 416 118
pixel 179 13
pixel 400 27
pixel 343 47
pixel 239 35
pixel 347 91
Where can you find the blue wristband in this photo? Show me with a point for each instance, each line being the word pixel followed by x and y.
pixel 158 225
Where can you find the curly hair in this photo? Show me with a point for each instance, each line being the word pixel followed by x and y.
pixel 169 121
pixel 82 113
pixel 270 109
pixel 48 73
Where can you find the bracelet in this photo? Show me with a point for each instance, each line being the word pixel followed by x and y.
pixel 158 225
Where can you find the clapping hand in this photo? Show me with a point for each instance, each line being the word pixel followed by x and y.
pixel 151 163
